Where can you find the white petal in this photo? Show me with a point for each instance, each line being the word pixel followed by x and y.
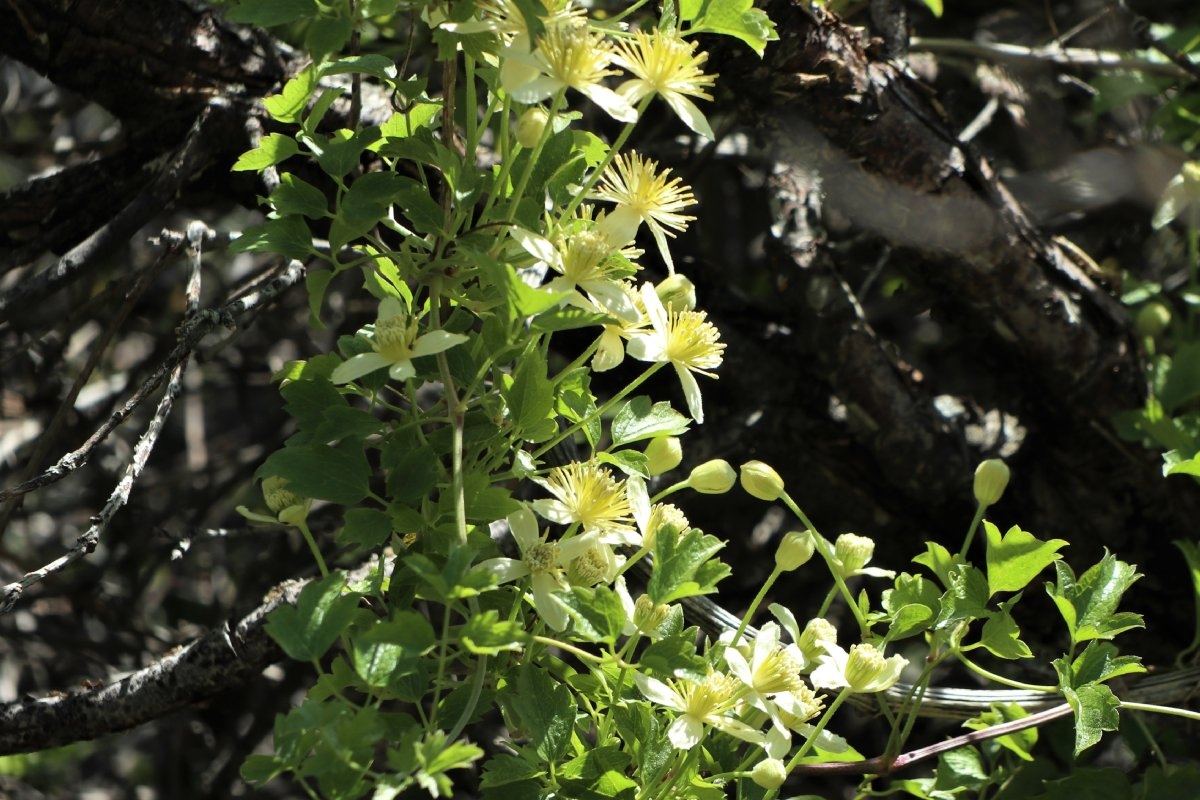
pixel 391 307
pixel 547 605
pixel 655 310
pixel 616 106
pixel 739 666
pixel 435 342
pixel 660 237
pixel 355 367
pixel 402 370
pixel 524 528
pixel 505 569
pixel 553 510
pixel 685 732
pixel 620 227
pixel 691 116
pixel 609 296
pixel 537 246
pixel 691 393
pixel 787 619
pixel 1174 200
pixel 656 691
pixel 639 500
pixel 534 90
pixel 646 346
pixel 576 546
pixel 610 352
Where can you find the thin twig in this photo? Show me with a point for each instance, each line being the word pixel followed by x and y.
pixel 1079 57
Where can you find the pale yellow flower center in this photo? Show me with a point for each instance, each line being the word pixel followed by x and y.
pixel 542 557
pixel 393 338
pixel 636 183
pixel 778 672
pixel 714 694
pixel 575 55
pixel 589 568
pixel 692 341
pixel 663 515
pixel 590 493
pixel 864 665
pixel 667 63
pixel 583 257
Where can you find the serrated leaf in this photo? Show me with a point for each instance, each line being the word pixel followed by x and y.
pixel 1089 604
pixel 1001 636
pixel 631 462
pixel 597 613
pixel 736 18
pixel 305 631
pixel 909 620
pixel 274 148
pixel 366 527
pixel 1099 662
pixel 295 196
pixel 327 35
pixel 307 401
pixel 503 769
pixel 375 64
pixel 337 474
pixel 1015 559
pixel 530 396
pixel 966 599
pixel 679 566
pixel 1095 708
pixel 1020 743
pixel 343 149
pixel 638 419
pixel 287 236
pixel 566 319
pixel 401 124
pixel 1183 379
pixel 386 643
pixel 1094 784
pixel 546 710
pixel 289 105
pixel 486 634
pixel 939 561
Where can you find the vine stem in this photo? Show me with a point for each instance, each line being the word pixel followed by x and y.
pixel 755 603
pixel 608 404
pixel 991 676
pixel 979 509
pixel 826 551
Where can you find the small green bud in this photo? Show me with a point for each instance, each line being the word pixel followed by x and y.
pixel 677 292
pixel 794 550
pixel 770 773
pixel 713 477
pixel 648 617
pixel 530 126
pixel 663 454
pixel 991 479
pixel 761 481
pixel 853 552
pixel 287 505
pixel 1152 319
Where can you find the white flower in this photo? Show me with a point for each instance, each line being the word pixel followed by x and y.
pixel 852 554
pixel 543 561
pixel 643 194
pixel 685 339
pixel 863 670
pixel 699 703
pixel 666 65
pixel 587 493
pixel 581 260
pixel 394 337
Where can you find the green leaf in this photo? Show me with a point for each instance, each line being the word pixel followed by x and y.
pixel 387 643
pixel 939 561
pixel 486 634
pixel 566 319
pixel 269 13
pixel 287 236
pixel 599 773
pixel 1001 636
pixel 1020 743
pixel 909 620
pixel 401 125
pixel 289 105
pixel 631 462
pixel 1183 378
pixel 675 656
pixel 343 422
pixel 295 196
pixel 419 206
pixel 337 474
pixel 575 401
pixel 684 566
pixel 272 149
pixel 959 769
pixel 363 206
pixel 903 601
pixel 326 35
pixel 322 612
pixel 258 769
pixel 343 149
pixel 966 599
pixel 1095 708
pixel 1089 605
pixel 598 613
pixel 1099 662
pixel 412 471
pixel 375 64
pixel 503 769
pixel 638 419
pixel 546 711
pixel 736 18
pixel 1015 559
pixel 367 527
pixel 935 7
pixel 307 401
pixel 1094 784
pixel 530 396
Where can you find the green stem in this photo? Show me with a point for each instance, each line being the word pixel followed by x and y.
pixel 1153 709
pixel 1003 681
pixel 603 165
pixel 599 412
pixel 826 551
pixel 755 603
pixel 979 509
pixel 312 546
pixel 519 190
pixel 812 737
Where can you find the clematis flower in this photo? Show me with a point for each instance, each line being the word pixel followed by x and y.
pixel 685 339
pixel 587 494
pixel 770 670
pixel 543 561
pixel 394 337
pixel 853 552
pixel 699 703
pixel 286 505
pixel 582 261
pixel 863 670
pixel 642 194
pixel 664 64
pixel 568 56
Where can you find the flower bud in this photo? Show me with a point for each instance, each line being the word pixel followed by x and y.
pixel 770 773
pixel 794 550
pixel 647 616
pixel 663 454
pixel 677 293
pixel 853 552
pixel 761 481
pixel 1152 319
pixel 530 126
pixel 991 479
pixel 868 671
pixel 713 477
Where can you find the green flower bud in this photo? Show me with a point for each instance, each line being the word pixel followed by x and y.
pixel 1152 319
pixel 713 477
pixel 530 126
pixel 853 551
pixel 663 454
pixel 794 550
pixel 991 479
pixel 677 292
pixel 770 773
pixel 648 617
pixel 761 481
pixel 868 671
